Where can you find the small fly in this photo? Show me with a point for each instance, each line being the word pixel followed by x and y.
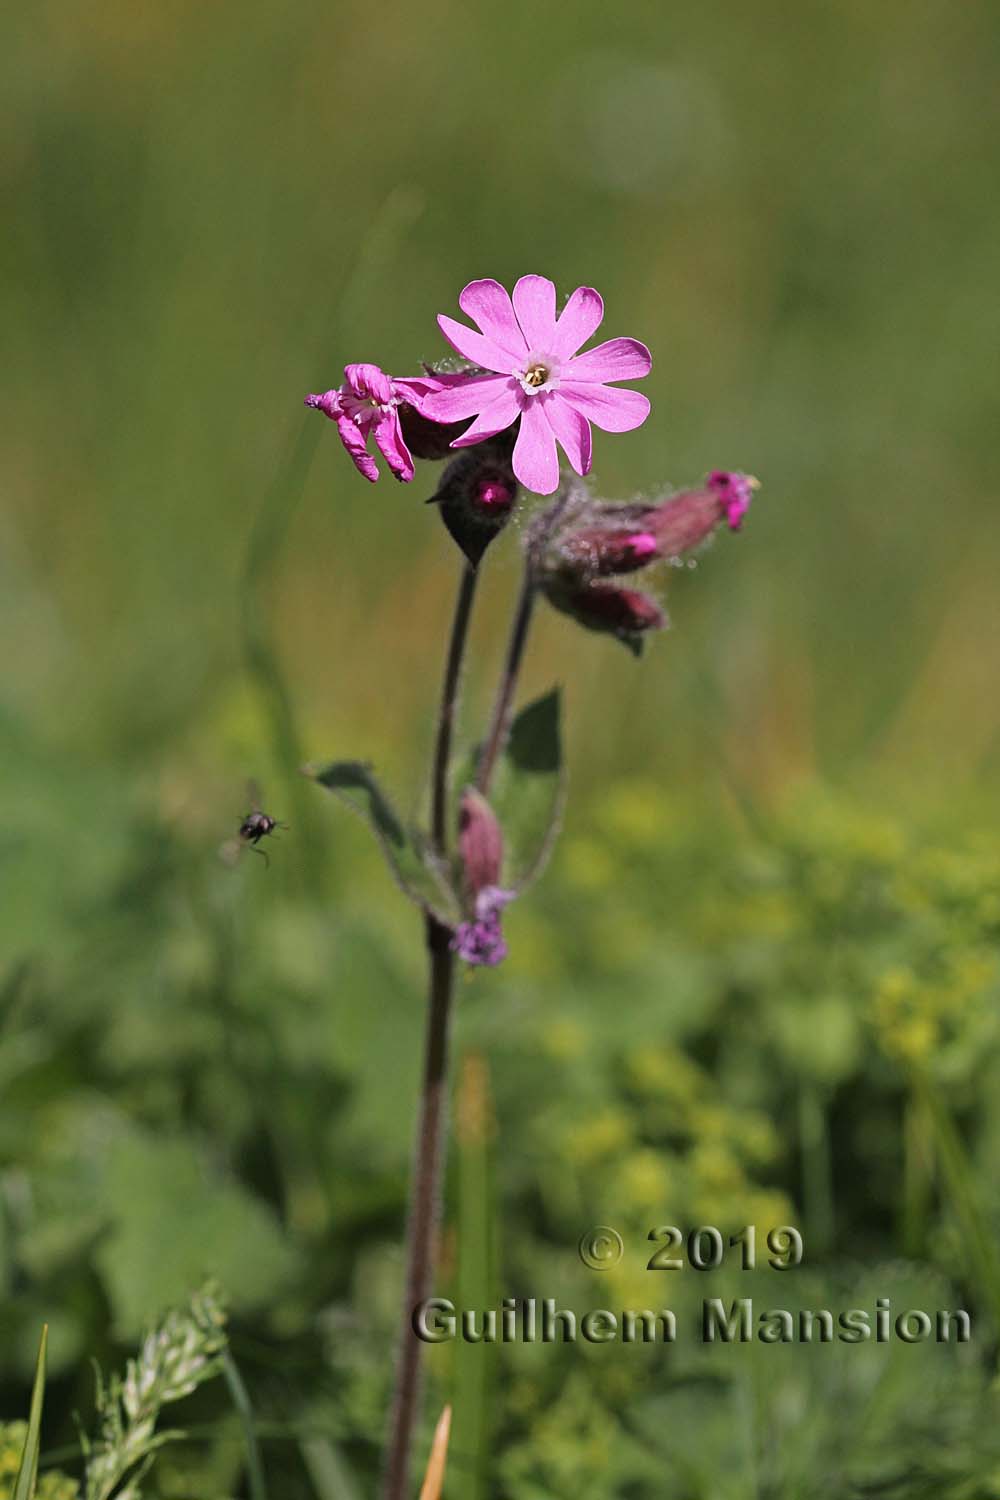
pixel 256 825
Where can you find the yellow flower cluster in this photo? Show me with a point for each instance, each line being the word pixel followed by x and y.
pixel 52 1485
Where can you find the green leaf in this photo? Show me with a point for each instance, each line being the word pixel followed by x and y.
pixel 528 791
pixel 27 1474
pixel 417 870
pixel 172 1221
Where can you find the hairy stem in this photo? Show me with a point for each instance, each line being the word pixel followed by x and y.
pixel 446 713
pixel 500 721
pixel 429 1153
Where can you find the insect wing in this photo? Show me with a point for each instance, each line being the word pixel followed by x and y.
pixel 229 852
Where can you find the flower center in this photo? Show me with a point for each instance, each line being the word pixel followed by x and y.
pixel 362 409
pixel 539 373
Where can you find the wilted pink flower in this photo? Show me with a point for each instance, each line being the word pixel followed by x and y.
pixel 481 941
pixel 539 376
pixel 368 403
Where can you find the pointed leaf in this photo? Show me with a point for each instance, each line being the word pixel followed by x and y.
pixel 417 870
pixel 434 1478
pixel 527 795
pixel 27 1474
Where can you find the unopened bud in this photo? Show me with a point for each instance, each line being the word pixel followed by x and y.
pixel 605 551
pixel 480 843
pixel 477 494
pixel 589 539
pixel 687 519
pixel 626 614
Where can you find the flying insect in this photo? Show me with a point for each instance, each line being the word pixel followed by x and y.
pixel 254 826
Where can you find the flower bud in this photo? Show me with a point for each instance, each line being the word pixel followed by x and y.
pixel 626 614
pixel 477 494
pixel 604 551
pixel 580 539
pixel 480 843
pixel 685 520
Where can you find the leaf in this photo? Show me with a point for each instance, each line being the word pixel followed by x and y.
pixel 172 1221
pixel 417 870
pixel 27 1474
pixel 527 794
pixel 434 1478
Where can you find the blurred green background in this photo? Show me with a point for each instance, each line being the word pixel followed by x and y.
pixel 760 970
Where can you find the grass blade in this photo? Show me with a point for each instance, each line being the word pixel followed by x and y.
pixel 244 1410
pixel 330 1476
pixel 27 1474
pixel 434 1478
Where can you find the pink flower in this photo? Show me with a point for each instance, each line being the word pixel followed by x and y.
pixel 539 376
pixel 368 403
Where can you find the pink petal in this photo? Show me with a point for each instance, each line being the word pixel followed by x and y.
pixel 488 304
pixel 461 401
pixel 579 319
pixel 474 346
pixel 353 440
pixel 535 305
pixel 609 408
pixel 535 460
pixel 369 380
pixel 415 389
pixel 494 417
pixel 571 429
pixel 389 437
pixel 618 359
pixel 328 403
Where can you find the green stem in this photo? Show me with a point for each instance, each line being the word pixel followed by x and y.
pixel 496 736
pixel 446 713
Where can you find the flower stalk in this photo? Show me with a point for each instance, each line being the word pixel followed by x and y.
pixel 425 1206
pixel 503 705
pixel 446 712
pixel 429 1145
